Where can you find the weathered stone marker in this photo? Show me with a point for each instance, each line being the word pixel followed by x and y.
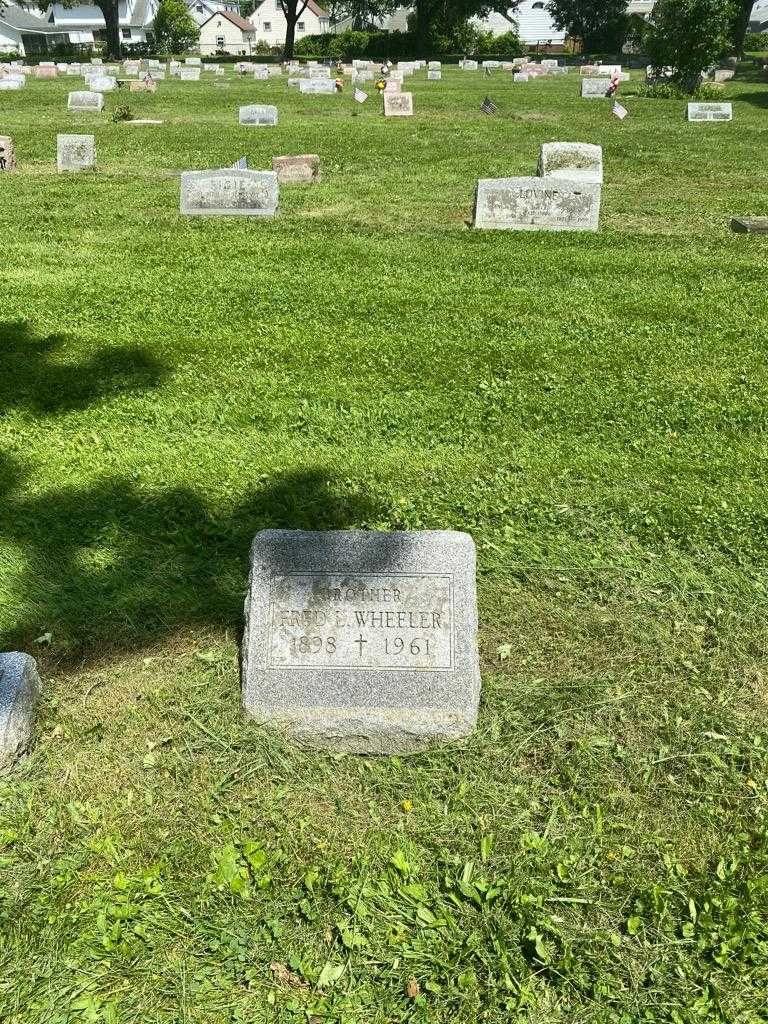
pixel 293 169
pixel 710 111
pixel 229 192
pixel 85 102
pixel 574 161
pixel 741 225
pixel 19 693
pixel 325 86
pixel 7 154
pixel 101 83
pixel 398 104
pixel 75 152
pixel 594 88
pixel 537 204
pixel 362 641
pixel 258 114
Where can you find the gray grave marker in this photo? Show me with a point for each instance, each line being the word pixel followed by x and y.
pixel 229 192
pixel 19 693
pixel 75 152
pixel 533 204
pixel 574 161
pixel 258 115
pixel 362 641
pixel 85 102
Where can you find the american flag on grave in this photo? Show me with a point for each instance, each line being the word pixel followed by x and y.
pixel 619 111
pixel 488 106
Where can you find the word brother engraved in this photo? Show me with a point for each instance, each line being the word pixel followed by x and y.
pixel 362 641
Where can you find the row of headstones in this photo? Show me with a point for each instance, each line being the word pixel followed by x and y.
pixel 565 196
pixel 354 640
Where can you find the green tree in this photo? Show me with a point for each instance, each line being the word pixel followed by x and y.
pixel 175 29
pixel 689 36
pixel 598 24
pixel 247 7
pixel 742 12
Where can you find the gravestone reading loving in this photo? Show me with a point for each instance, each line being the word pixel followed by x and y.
pixel 574 161
pixel 362 641
pixel 86 102
pixel 303 169
pixel 258 115
pixel 75 152
pixel 229 192
pixel 398 104
pixel 19 693
pixel 533 204
pixel 710 112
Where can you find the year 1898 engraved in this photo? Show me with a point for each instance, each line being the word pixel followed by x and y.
pixel 361 621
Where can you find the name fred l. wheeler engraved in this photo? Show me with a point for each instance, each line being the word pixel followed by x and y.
pixel 392 621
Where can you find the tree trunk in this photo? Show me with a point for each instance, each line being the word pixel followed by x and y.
pixel 740 26
pixel 111 14
pixel 422 25
pixel 290 34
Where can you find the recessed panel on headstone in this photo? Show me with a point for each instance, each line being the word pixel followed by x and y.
pixel 258 114
pixel 537 204
pixel 229 192
pixel 710 111
pixel 362 641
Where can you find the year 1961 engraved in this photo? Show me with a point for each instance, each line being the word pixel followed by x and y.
pixel 361 621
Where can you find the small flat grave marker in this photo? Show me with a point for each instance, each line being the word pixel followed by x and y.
pixel 741 225
pixel 304 169
pixel 362 641
pixel 710 111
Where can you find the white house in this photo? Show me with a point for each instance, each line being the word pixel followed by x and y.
pixel 202 10
pixel 25 33
pixel 269 22
pixel 227 33
pixel 758 20
pixel 84 23
pixel 532 19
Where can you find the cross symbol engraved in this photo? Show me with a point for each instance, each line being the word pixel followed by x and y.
pixel 360 641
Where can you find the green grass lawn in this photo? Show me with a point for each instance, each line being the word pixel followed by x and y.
pixel 591 408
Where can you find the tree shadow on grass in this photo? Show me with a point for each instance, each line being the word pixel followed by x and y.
pixel 112 567
pixel 31 377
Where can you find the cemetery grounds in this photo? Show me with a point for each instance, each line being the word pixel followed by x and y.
pixel 591 408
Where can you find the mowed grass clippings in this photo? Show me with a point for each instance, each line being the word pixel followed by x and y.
pixel 591 408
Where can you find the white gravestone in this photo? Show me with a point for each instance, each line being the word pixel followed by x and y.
pixel 710 112
pixel 75 153
pixel 191 74
pixel 594 88
pixel 85 102
pixel 304 169
pixel 574 161
pixel 317 86
pixel 398 104
pixel 101 83
pixel 258 115
pixel 362 641
pixel 537 204
pixel 229 192
pixel 434 76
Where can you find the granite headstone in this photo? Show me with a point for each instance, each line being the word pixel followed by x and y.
pixel 362 641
